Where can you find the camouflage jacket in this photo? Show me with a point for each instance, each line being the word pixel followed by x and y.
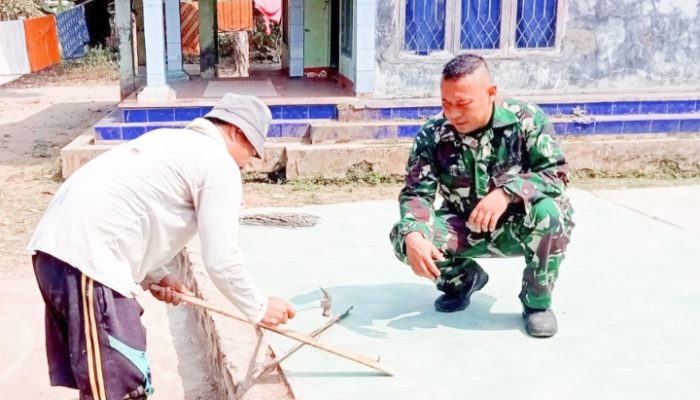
pixel 516 151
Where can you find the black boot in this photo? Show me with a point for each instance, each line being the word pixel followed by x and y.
pixel 453 301
pixel 540 323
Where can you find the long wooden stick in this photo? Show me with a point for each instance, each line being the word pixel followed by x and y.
pixel 359 358
pixel 314 334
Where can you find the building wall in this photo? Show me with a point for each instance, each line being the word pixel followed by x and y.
pixel 607 45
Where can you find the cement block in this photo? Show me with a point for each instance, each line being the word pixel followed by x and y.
pixel 275 158
pixel 79 151
pixel 84 148
pixel 338 148
pixel 345 132
pixel 348 132
pixel 636 154
pixel 335 160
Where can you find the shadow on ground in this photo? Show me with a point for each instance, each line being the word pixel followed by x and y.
pixel 409 306
pixel 40 136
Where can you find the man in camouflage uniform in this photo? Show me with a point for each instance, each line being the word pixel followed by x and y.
pixel 502 177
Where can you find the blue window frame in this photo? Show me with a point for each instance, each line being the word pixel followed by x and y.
pixel 425 26
pixel 481 24
pixel 501 26
pixel 536 23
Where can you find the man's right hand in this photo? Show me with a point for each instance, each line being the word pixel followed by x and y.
pixel 422 254
pixel 278 312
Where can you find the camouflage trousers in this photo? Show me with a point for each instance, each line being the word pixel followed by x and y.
pixel 541 236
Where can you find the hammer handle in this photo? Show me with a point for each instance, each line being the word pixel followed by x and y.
pixel 314 334
pixel 358 358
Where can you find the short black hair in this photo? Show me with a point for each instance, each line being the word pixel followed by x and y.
pixel 217 121
pixel 462 65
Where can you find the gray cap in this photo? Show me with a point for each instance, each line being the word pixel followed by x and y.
pixel 249 114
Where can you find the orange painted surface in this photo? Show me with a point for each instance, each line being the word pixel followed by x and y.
pixel 42 42
pixel 189 26
pixel 234 15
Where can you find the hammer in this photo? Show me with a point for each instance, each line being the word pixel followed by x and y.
pixel 325 303
pixel 315 334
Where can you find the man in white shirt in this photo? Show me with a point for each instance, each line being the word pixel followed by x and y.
pixel 115 223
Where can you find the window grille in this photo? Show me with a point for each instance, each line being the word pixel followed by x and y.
pixel 425 25
pixel 504 27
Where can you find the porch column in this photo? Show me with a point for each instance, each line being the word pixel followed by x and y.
pixel 174 41
pixel 208 39
pixel 365 23
pixel 157 89
pixel 122 20
pixel 296 38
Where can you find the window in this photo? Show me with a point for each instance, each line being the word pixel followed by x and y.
pixel 486 26
pixel 425 25
pixel 346 29
pixel 480 25
pixel 536 23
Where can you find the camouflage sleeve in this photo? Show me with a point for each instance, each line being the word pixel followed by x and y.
pixel 417 197
pixel 549 172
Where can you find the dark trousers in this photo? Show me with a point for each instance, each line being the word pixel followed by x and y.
pixel 95 341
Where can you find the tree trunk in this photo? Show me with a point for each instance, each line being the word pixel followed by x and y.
pixel 237 64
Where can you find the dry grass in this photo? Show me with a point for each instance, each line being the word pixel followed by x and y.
pixel 98 66
pixel 24 195
pixel 303 193
pixel 630 183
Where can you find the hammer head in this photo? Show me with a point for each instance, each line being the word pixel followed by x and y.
pixel 326 302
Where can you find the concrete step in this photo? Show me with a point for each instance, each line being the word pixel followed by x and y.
pixel 111 129
pixel 299 160
pixel 371 111
pixel 344 132
pixel 420 109
pixel 333 131
pixel 133 113
pixel 337 161
pixel 628 124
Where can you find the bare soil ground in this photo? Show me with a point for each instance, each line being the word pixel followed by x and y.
pixel 34 125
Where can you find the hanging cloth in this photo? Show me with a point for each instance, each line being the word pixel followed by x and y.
pixel 234 15
pixel 13 49
pixel 189 28
pixel 72 32
pixel 271 11
pixel 42 42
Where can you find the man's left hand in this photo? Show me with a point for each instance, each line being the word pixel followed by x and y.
pixel 169 289
pixel 485 215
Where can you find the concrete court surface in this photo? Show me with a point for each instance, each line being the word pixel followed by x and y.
pixel 626 301
pixel 667 204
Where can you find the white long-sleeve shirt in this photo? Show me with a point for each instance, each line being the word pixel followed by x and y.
pixel 125 214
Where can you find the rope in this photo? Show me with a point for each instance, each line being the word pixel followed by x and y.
pixel 287 220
